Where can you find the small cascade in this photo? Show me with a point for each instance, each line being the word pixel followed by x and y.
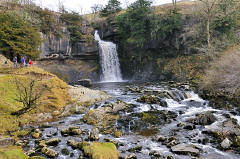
pixel 109 61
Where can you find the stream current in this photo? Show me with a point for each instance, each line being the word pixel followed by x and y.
pixel 181 109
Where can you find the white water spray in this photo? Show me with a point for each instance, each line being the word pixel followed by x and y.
pixel 109 61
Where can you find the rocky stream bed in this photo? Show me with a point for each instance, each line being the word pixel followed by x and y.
pixel 143 121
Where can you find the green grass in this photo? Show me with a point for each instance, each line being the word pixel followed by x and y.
pixel 54 99
pixel 12 153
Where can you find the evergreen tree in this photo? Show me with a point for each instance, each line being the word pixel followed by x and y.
pixel 18 37
pixel 134 24
pixel 112 7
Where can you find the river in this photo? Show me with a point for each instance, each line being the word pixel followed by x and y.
pixel 151 129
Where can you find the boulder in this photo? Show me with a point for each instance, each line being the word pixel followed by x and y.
pixel 49 152
pixel 205 118
pixel 65 151
pixel 53 142
pixel 36 135
pixel 226 143
pixel 155 154
pixel 137 149
pixel 85 82
pixel 105 117
pixel 71 131
pixel 131 156
pixel 72 143
pixel 185 149
pixel 94 134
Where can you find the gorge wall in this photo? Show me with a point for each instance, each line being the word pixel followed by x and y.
pixel 151 62
pixel 70 61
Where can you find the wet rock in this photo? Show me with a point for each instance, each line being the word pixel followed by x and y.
pixel 226 143
pixel 131 156
pixel 19 143
pixel 137 149
pixel 118 133
pixel 85 82
pixel 71 131
pixel 205 118
pixel 53 142
pixel 155 154
pixel 36 135
pixel 105 117
pixel 94 134
pixel 170 157
pixel 52 133
pixel 193 103
pixel 65 151
pixel 160 138
pixel 221 130
pixel 72 143
pixel 185 149
pixel 149 99
pixel 41 143
pixel 49 152
pixel 190 127
pixel 31 152
pixel 111 141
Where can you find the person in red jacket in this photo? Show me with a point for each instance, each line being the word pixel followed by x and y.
pixel 30 62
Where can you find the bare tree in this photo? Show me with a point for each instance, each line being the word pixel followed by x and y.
pixel 208 11
pixel 28 93
pixel 96 8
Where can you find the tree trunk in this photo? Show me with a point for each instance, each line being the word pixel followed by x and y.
pixel 208 33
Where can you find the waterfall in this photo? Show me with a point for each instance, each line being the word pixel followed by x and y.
pixel 109 61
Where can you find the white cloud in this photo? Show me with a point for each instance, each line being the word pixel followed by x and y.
pixel 84 6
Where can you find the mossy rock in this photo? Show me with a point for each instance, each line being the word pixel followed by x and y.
pixel 21 133
pixel 118 133
pixel 98 150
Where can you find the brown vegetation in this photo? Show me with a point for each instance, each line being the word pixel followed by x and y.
pixel 224 73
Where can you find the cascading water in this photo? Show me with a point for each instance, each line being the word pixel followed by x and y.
pixel 109 61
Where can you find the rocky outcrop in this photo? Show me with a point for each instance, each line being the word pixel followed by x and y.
pixel 61 47
pixel 185 149
pixel 6 141
pixel 205 118
pixel 105 117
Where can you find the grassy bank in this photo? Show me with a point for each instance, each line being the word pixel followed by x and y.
pixel 56 96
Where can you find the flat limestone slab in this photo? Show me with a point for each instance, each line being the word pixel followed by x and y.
pixel 6 141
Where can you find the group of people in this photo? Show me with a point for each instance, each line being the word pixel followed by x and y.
pixel 23 62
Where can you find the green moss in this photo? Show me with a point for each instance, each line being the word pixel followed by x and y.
pixel 118 133
pixel 12 153
pixel 146 116
pixel 101 151
pixel 21 133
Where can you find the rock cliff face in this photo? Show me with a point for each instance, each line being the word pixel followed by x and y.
pixel 54 47
pixel 70 62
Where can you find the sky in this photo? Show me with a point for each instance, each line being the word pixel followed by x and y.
pixel 84 6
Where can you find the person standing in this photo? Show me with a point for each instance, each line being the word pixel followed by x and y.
pixel 15 62
pixel 23 61
pixel 30 62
